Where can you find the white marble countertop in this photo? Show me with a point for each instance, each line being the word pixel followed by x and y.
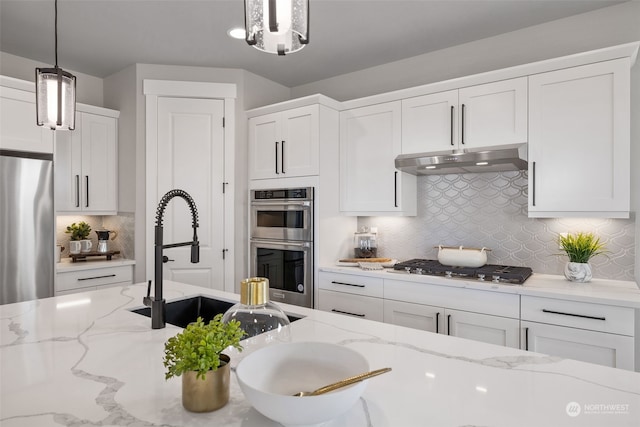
pixel 66 265
pixel 599 291
pixel 86 360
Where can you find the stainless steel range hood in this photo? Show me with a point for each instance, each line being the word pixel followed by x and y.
pixel 494 159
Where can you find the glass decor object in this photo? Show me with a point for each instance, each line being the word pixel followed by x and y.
pixel 365 243
pixel 55 93
pixel 277 26
pixel 262 320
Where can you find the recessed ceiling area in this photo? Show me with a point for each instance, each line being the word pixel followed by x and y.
pixel 101 37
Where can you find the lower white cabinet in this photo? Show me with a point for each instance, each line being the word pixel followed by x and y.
pixel 589 332
pixel 583 331
pixel 351 295
pixel 72 281
pixel 351 305
pixel 483 327
pixel 474 326
pixel 611 350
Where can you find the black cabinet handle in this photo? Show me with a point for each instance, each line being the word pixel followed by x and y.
pixel 282 157
pixel 96 277
pixel 277 158
pixel 77 191
pixel 347 313
pixel 463 123
pixel 347 284
pixel 544 310
pixel 86 177
pixel 437 321
pixel 526 339
pixel 452 128
pixel 395 189
pixel 533 182
pixel 448 324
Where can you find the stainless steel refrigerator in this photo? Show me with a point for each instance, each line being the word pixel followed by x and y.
pixel 27 226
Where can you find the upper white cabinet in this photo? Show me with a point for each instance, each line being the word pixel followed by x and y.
pixel 86 166
pixel 472 117
pixel 370 140
pixel 579 149
pixel 285 144
pixel 18 129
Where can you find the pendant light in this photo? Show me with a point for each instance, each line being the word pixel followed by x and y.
pixel 277 26
pixel 55 93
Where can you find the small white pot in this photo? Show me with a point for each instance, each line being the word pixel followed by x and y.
pixel 462 257
pixel 578 272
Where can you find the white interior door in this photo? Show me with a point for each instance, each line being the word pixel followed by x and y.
pixel 190 156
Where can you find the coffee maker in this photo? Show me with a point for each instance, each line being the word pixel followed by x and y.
pixel 103 238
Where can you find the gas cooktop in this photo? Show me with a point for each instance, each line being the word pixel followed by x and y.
pixel 488 272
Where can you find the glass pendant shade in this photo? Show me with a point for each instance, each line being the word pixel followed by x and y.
pixel 277 26
pixel 55 98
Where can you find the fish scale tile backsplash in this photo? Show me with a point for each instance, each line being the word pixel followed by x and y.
pixel 490 209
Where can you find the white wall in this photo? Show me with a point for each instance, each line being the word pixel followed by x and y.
pixel 89 89
pixel 600 28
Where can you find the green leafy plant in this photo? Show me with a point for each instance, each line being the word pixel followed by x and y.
pixel 199 346
pixel 78 231
pixel 580 247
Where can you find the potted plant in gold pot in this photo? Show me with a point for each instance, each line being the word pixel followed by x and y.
pixel 580 248
pixel 196 355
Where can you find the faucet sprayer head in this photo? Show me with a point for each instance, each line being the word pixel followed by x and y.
pixel 165 201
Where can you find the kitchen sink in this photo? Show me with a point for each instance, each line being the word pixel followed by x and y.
pixel 182 312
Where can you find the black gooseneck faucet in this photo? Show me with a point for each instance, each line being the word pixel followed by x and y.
pixel 157 303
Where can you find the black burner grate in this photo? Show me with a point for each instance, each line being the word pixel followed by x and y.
pixel 488 272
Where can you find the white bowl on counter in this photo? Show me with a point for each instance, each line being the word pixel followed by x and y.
pixel 460 256
pixel 270 376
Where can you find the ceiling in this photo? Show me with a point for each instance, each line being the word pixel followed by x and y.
pixel 100 37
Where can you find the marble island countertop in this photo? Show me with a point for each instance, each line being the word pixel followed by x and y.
pixel 598 291
pixel 86 360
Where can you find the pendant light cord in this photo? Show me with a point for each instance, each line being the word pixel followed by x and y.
pixel 56 30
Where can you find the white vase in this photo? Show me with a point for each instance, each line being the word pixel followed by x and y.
pixel 578 272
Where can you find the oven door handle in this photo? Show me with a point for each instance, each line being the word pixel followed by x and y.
pixel 283 243
pixel 280 203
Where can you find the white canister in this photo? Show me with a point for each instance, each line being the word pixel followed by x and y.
pixel 86 245
pixel 74 247
pixel 58 252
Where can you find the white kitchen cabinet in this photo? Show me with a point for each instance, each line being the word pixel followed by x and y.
pixel 351 305
pixel 483 327
pixel 285 144
pixel 416 316
pixel 474 326
pixel 18 129
pixel 579 146
pixel 594 333
pixel 472 117
pixel 611 350
pixel 370 140
pixel 351 295
pixel 86 166
pixel 72 281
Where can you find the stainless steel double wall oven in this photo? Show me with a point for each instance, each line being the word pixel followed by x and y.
pixel 281 244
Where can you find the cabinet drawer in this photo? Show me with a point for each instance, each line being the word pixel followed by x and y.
pixel 352 284
pixel 583 315
pixel 487 302
pixel 95 277
pixel 351 305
